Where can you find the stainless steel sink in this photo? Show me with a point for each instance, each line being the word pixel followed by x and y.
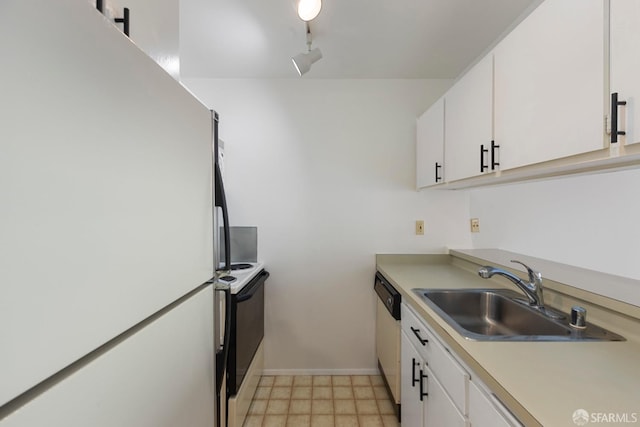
pixel 502 315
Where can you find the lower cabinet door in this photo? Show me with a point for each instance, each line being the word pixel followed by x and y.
pixel 439 409
pixel 410 369
pixel 485 413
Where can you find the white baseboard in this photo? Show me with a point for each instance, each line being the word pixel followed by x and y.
pixel 269 372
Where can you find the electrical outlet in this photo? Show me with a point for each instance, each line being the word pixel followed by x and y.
pixel 475 225
pixel 420 227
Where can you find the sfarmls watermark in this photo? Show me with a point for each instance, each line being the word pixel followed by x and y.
pixel 582 417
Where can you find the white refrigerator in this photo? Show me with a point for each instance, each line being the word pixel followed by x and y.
pixel 106 235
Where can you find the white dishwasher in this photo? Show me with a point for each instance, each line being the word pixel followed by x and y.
pixel 388 336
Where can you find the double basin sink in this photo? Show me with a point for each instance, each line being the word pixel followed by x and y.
pixel 502 315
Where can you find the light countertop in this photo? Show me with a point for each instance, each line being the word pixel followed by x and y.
pixel 541 383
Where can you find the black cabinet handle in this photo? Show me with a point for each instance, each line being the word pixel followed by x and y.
pixel 423 377
pixel 125 21
pixel 417 334
pixel 414 380
pixel 438 166
pixel 614 117
pixel 99 6
pixel 482 152
pixel 493 155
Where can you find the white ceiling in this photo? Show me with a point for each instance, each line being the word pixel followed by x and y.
pixel 358 38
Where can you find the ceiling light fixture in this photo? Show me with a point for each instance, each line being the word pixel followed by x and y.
pixel 303 61
pixel 309 9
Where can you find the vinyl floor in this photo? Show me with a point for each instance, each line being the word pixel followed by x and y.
pixel 321 401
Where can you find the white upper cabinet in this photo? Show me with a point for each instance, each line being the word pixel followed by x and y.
pixel 469 123
pixel 430 146
pixel 625 66
pixel 549 84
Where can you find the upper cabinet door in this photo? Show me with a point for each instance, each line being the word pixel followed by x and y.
pixel 430 146
pixel 549 84
pixel 469 123
pixel 625 66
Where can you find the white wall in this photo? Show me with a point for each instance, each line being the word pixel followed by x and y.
pixel 587 221
pixel 324 168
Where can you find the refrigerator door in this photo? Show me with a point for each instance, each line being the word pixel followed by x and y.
pixel 161 376
pixel 106 183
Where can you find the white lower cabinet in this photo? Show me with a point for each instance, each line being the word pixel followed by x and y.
pixel 410 368
pixel 437 390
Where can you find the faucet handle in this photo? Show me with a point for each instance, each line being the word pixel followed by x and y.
pixel 535 277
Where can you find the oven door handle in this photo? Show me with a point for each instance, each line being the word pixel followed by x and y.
pixel 248 293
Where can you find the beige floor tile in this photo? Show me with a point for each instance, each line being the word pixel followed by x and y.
pixel 381 392
pixel 322 421
pixel 362 392
pixel 258 407
pixel 253 421
pixel 303 380
pixel 366 407
pixel 346 421
pixel 277 407
pixel 390 421
pixel 342 393
pixel 376 380
pixel 344 407
pixel 371 421
pixel 322 406
pixel 262 393
pixel 266 381
pixel 302 392
pixel 322 401
pixel 283 381
pixel 322 380
pixel 385 407
pixel 274 421
pixel 299 420
pixel 322 393
pixel 341 380
pixel 281 393
pixel 300 407
pixel 360 380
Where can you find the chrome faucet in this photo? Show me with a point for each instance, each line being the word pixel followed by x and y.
pixel 532 289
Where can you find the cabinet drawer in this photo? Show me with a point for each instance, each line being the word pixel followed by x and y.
pixel 417 332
